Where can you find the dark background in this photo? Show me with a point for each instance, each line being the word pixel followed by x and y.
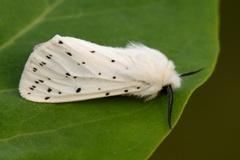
pixel 209 128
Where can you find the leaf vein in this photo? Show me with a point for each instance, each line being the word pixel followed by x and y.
pixel 4 140
pixel 38 20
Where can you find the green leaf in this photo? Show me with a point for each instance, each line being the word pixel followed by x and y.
pixel 109 128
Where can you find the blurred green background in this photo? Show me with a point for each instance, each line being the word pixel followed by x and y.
pixel 210 125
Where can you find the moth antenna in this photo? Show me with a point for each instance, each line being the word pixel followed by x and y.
pixel 170 104
pixel 191 73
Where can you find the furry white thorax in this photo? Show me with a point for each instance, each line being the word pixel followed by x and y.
pixel 152 67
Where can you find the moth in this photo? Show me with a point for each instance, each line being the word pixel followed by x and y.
pixel 66 69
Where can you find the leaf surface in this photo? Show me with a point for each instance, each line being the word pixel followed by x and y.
pixel 108 128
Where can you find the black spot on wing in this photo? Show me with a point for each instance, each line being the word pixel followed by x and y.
pixel 42 63
pixel 32 87
pixel 34 69
pixel 46 98
pixel 49 56
pixel 78 90
pixel 68 74
pixel 49 90
pixel 68 53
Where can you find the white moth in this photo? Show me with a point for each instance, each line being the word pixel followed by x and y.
pixel 68 69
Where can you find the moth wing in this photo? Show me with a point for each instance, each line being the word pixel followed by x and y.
pixel 68 69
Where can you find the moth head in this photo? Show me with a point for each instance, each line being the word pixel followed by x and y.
pixel 170 76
